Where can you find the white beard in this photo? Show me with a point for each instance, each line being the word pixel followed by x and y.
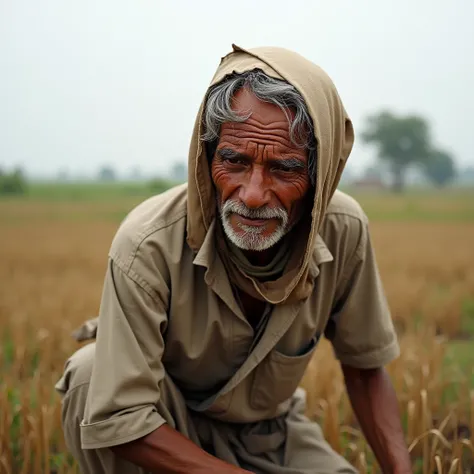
pixel 251 238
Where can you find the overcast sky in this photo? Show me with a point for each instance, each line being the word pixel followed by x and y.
pixel 89 82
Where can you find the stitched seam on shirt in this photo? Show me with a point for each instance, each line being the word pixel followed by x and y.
pixel 157 227
pixel 138 280
pixel 73 389
pixel 145 286
pixel 358 255
pixel 142 236
pixel 126 267
pixel 115 416
pixel 393 344
pixel 138 434
pixel 357 259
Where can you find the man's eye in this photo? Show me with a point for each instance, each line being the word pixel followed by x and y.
pixel 235 161
pixel 284 169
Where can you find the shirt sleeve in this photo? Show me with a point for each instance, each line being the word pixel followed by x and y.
pixel 127 370
pixel 360 327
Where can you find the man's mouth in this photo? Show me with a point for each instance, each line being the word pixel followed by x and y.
pixel 250 221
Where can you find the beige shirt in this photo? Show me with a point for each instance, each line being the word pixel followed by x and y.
pixel 167 308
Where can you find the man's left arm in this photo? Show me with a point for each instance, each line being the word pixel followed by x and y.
pixel 364 340
pixel 375 405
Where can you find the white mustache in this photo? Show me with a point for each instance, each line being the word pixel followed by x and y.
pixel 266 212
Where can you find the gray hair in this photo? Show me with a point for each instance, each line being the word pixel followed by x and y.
pixel 219 110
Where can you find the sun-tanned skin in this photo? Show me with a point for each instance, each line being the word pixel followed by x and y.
pixel 257 164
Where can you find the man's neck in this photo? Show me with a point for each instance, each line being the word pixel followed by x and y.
pixel 262 257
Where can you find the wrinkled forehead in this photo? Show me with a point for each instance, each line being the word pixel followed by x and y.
pixel 259 143
pixel 265 130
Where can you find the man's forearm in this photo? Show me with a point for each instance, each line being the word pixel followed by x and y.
pixel 375 405
pixel 166 451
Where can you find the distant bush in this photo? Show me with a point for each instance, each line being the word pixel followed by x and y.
pixel 13 183
pixel 159 185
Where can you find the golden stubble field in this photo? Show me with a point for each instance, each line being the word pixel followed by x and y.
pixel 53 258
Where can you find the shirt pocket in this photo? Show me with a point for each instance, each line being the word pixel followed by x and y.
pixel 278 375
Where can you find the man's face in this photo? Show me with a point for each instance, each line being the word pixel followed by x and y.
pixel 260 176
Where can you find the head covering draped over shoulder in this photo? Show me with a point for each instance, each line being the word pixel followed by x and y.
pixel 334 136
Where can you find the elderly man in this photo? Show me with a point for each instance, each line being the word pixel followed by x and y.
pixel 217 293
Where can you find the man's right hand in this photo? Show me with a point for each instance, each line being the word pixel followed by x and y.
pixel 165 451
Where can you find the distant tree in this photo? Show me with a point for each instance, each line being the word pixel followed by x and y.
pixel 373 172
pixel 107 173
pixel 400 142
pixel 13 183
pixel 135 173
pixel 439 168
pixel 63 174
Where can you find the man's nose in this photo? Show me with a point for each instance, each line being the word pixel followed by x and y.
pixel 253 191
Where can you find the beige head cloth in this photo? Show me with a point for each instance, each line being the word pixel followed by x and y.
pixel 334 137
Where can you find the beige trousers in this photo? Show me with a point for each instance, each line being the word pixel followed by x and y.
pixel 291 444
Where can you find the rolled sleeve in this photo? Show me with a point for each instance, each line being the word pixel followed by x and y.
pixel 361 327
pixel 124 388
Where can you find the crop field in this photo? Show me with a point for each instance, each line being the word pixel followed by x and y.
pixel 53 250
